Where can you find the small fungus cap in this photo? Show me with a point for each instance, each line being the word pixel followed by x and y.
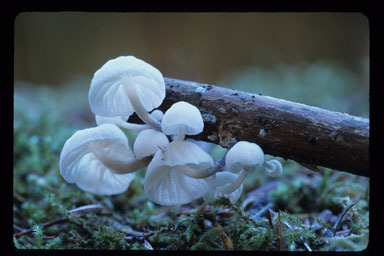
pixel 107 95
pixel 276 169
pixel 244 155
pixel 148 142
pixel 78 164
pixel 165 184
pixel 157 114
pixel 182 113
pixel 223 178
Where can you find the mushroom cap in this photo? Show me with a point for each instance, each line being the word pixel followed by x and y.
pixel 107 95
pixel 166 185
pixel 148 142
pixel 244 154
pixel 157 114
pixel 182 113
pixel 78 164
pixel 223 178
pixel 276 170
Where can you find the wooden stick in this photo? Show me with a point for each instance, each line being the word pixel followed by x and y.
pixel 306 134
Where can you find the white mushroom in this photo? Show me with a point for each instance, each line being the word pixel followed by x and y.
pixel 157 114
pixel 182 119
pixel 223 178
pixel 273 168
pixel 99 160
pixel 148 142
pixel 243 156
pixel 125 85
pixel 169 181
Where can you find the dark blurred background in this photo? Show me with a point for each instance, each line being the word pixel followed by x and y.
pixel 319 59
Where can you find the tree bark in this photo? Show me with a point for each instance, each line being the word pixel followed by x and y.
pixel 309 135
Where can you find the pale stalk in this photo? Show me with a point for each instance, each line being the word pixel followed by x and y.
pixel 116 166
pixel 201 174
pixel 181 132
pixel 138 106
pixel 229 188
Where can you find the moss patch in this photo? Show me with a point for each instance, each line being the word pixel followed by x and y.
pixel 309 203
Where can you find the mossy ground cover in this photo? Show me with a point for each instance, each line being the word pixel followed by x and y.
pixel 301 210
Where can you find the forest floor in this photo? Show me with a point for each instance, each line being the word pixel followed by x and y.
pixel 301 210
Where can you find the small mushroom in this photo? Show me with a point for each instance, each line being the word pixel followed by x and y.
pixel 223 178
pixel 273 168
pixel 125 85
pixel 182 119
pixel 157 114
pixel 171 176
pixel 148 142
pixel 243 156
pixel 99 160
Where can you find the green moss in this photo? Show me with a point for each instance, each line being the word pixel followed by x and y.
pixel 106 238
pixel 296 234
pixel 193 232
pixel 41 195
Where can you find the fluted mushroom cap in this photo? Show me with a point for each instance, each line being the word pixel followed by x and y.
pixel 166 184
pixel 79 164
pixel 107 95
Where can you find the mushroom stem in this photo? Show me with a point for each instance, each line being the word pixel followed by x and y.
pixel 268 165
pixel 130 126
pixel 201 174
pixel 229 188
pixel 138 106
pixel 194 173
pixel 116 166
pixel 181 133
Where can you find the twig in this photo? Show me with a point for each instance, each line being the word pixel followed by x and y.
pixel 17 228
pixel 303 133
pixel 262 210
pixel 44 225
pixel 269 217
pixel 19 197
pixel 88 208
pixel 280 246
pixel 227 242
pixel 81 209
pixel 338 223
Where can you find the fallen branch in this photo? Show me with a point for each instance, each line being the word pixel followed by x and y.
pixel 306 134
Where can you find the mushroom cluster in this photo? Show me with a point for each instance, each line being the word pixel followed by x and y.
pixel 99 159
